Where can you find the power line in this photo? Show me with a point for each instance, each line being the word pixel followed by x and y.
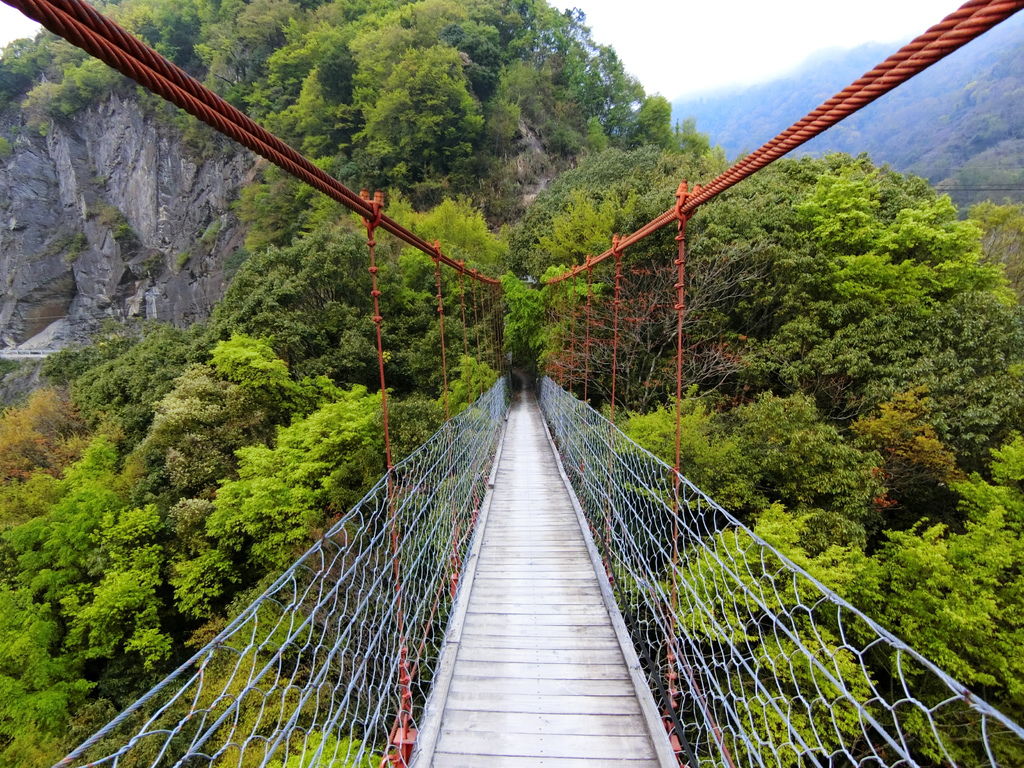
pixel 980 189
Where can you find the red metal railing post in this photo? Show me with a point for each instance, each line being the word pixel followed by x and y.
pixel 586 342
pixel 462 307
pixel 440 317
pixel 371 224
pixel 617 252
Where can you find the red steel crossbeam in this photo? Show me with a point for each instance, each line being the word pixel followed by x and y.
pixel 956 30
pixel 80 24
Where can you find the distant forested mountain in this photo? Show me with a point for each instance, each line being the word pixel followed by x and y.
pixel 960 124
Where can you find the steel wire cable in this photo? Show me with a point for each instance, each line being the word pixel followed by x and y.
pixel 752 659
pixel 309 672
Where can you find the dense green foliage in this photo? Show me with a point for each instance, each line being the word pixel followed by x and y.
pixel 855 372
pixel 188 466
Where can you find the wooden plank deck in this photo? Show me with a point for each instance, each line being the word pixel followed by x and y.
pixel 534 673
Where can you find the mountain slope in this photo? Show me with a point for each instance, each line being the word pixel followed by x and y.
pixel 959 123
pixel 115 206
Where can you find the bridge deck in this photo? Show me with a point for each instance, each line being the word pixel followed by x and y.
pixel 539 677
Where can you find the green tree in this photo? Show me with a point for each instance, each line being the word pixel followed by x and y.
pixel 709 457
pixel 119 379
pixel 320 464
pixel 584 228
pixel 54 552
pixel 654 124
pixel 809 467
pixel 916 464
pixel 41 684
pixel 772 451
pixel 524 322
pixel 424 124
pixel 473 379
pixel 461 228
pixel 122 614
pixel 1002 240
pixel 311 300
pixel 958 596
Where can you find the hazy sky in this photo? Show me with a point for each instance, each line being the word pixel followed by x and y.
pixel 682 46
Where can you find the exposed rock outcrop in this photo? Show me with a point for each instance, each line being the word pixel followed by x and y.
pixel 110 215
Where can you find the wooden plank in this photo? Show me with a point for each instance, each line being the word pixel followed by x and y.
pixel 520 538
pixel 557 606
pixel 524 582
pixel 540 570
pixel 543 745
pixel 513 622
pixel 555 542
pixel 549 597
pixel 520 528
pixel 535 548
pixel 525 572
pixel 449 760
pixel 551 670
pixel 535 656
pixel 530 722
pixel 566 705
pixel 564 607
pixel 571 594
pixel 582 591
pixel 574 565
pixel 475 626
pixel 561 560
pixel 518 641
pixel 560 557
pixel 532 686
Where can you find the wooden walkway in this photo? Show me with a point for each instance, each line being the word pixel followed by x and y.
pixel 535 671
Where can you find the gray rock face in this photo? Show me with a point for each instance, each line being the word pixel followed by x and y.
pixel 110 215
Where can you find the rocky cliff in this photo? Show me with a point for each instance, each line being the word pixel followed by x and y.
pixel 110 214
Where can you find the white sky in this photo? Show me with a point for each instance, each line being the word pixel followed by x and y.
pixel 14 25
pixel 670 44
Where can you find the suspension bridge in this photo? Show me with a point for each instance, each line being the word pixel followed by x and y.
pixel 529 587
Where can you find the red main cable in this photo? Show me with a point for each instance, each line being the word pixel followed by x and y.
pixel 953 32
pixel 82 25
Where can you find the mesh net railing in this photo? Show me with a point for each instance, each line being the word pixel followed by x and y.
pixel 331 665
pixel 752 661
